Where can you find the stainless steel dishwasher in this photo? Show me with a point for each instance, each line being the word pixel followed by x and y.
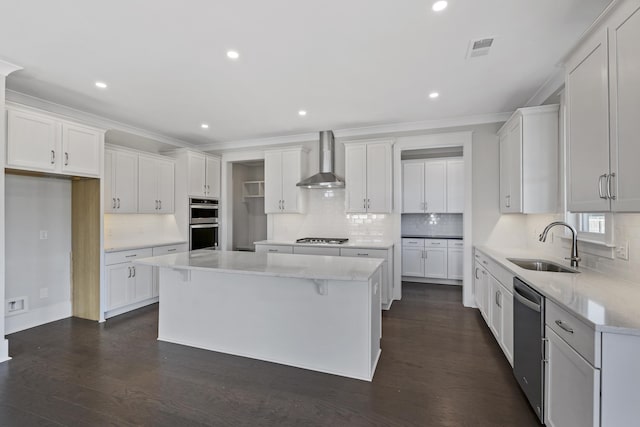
pixel 528 343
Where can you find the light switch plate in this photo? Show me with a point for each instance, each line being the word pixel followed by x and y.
pixel 622 251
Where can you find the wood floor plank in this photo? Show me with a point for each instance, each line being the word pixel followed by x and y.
pixel 440 366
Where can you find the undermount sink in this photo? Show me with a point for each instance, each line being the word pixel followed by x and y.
pixel 541 265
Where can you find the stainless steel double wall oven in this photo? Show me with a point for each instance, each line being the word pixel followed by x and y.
pixel 203 224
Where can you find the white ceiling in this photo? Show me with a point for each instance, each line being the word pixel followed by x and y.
pixel 348 63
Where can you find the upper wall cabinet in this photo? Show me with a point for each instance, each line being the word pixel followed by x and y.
pixel 203 175
pixel 120 182
pixel 283 169
pixel 38 142
pixel 603 103
pixel 155 185
pixel 368 177
pixel 529 161
pixel 435 186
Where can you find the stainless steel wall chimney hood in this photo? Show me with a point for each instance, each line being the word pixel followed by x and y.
pixel 326 178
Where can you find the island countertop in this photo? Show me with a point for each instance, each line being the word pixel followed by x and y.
pixel 312 267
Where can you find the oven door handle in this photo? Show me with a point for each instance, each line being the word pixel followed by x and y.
pixel 204 206
pixel 527 303
pixel 204 226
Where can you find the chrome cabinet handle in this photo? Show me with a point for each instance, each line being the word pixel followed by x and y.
pixel 610 194
pixel 131 256
pixel 273 250
pixel 171 250
pixel 128 277
pixel 156 205
pixel 499 299
pixel 507 201
pixel 368 203
pixel 364 254
pixel 114 203
pixel 477 273
pixel 118 199
pixel 283 204
pixel 564 326
pixel 600 191
pixel 160 204
pixel 53 157
pixel 134 271
pixel 66 159
pixel 364 203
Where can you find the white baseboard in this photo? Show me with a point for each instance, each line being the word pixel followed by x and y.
pixel 37 317
pixel 432 281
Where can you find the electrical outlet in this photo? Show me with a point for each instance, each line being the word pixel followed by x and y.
pixel 622 251
pixel 44 292
pixel 16 306
pixel 44 234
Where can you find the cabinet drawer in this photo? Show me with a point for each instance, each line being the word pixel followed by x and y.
pixel 276 249
pixel 371 253
pixel 315 250
pixel 126 256
pixel 580 336
pixel 169 249
pixel 435 243
pixel 455 243
pixel 414 243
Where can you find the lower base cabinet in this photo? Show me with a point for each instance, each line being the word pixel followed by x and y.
pixel 432 258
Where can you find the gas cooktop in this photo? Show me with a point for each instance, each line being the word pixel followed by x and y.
pixel 322 240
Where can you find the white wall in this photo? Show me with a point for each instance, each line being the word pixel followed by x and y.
pixel 128 230
pixel 38 269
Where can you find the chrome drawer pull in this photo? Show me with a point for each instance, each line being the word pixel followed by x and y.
pixel 563 326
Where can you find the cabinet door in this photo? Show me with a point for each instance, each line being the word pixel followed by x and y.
pixel 625 107
pixel 511 168
pixel 455 186
pixel 495 301
pixel 588 127
pixel 435 263
pixel 454 264
pixel 142 284
pixel 165 175
pixel 572 386
pixel 109 181
pixel 356 178
pixel 482 291
pixel 118 278
pixel 213 177
pixel 126 182
pixel 379 178
pixel 81 149
pixel 32 141
pixel 197 166
pixel 291 175
pixel 413 187
pixel 272 182
pixel 506 339
pixel 435 186
pixel 147 185
pixel 413 262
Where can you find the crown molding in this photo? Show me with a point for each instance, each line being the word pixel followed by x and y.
pixel 64 112
pixel 378 131
pixel 7 68
pixel 554 83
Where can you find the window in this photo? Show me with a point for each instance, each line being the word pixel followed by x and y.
pixel 593 227
pixel 591 223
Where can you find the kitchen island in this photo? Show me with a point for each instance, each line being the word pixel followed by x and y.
pixel 314 312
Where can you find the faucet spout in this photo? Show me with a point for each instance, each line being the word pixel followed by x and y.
pixel 575 259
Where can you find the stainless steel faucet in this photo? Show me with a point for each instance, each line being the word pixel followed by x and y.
pixel 575 259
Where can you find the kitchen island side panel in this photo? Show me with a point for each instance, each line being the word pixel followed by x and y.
pixel 276 319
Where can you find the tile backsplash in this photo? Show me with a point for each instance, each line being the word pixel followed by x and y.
pixel 432 224
pixel 121 230
pixel 325 217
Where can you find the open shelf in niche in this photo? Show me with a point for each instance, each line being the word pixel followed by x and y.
pixel 252 189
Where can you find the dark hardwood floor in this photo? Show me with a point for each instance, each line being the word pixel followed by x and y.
pixel 440 366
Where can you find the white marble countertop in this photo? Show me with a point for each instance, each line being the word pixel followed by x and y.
pixel 127 247
pixel 608 303
pixel 355 244
pixel 271 264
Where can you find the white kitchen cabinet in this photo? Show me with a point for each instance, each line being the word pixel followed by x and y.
pixel 316 250
pixel 203 175
pixel 435 262
pixel 432 258
pixel 455 186
pixel 455 257
pixel 506 338
pixel 164 250
pixel 413 257
pixel 481 284
pixel 283 169
pixel 603 100
pixel 38 142
pixel 495 317
pixel 275 249
pixel 387 286
pixel 120 182
pixel 117 285
pixel 155 185
pixel 368 177
pixel 529 161
pixel 572 386
pixel 435 186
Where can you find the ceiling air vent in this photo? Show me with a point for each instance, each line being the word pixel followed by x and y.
pixel 479 47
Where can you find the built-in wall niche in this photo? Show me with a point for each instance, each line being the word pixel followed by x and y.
pixel 432 224
pixel 53 235
pixel 249 218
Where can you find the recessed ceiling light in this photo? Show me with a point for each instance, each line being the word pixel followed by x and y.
pixel 439 6
pixel 232 54
pixel 302 113
pixel 204 126
pixel 101 85
pixel 434 95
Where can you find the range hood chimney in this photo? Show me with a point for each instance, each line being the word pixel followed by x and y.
pixel 326 178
